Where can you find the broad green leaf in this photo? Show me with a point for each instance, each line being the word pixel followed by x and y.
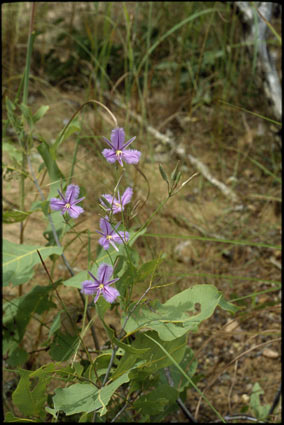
pixel 11 418
pixel 44 370
pixel 30 401
pixel 153 359
pixel 157 400
pixel 18 357
pixel 12 150
pixel 148 269
pixel 126 347
pixel 63 346
pixel 15 216
pixel 19 261
pixel 51 411
pixel 260 411
pixel 190 381
pixel 105 394
pixel 86 398
pixel 171 319
pixel 17 313
pixel 188 363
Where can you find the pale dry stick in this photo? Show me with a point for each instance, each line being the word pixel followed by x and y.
pixel 204 170
pixel 229 364
pixel 95 339
pixel 240 417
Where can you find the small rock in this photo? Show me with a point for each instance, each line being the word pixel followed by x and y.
pixel 183 251
pixel 231 325
pixel 245 398
pixel 271 354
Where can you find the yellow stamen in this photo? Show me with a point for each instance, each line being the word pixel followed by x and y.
pixel 101 286
pixel 118 153
pixel 67 205
pixel 109 237
pixel 117 204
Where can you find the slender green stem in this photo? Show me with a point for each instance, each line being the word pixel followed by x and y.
pixel 69 268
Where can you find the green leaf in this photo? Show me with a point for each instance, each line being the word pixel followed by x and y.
pixel 126 347
pixel 54 172
pixel 261 412
pixel 17 313
pixel 157 400
pixel 30 401
pixel 174 174
pixel 55 324
pixel 40 113
pixel 15 216
pixel 63 346
pixel 127 279
pixel 147 269
pixel 18 357
pixel 13 152
pixel 153 359
pixel 19 261
pixel 163 174
pixel 86 398
pixel 171 319
pixel 11 418
pixel 188 363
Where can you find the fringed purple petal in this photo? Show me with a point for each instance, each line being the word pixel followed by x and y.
pixel 75 211
pixel 126 197
pixel 110 294
pixel 105 272
pixel 117 138
pixel 56 204
pixel 105 226
pixel 72 193
pixel 89 287
pixel 110 155
pixel 131 156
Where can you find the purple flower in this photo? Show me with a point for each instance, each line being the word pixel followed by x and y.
pixel 101 285
pixel 117 205
pixel 68 203
pixel 111 235
pixel 118 151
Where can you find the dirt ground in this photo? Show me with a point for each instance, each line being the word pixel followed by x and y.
pixel 233 353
